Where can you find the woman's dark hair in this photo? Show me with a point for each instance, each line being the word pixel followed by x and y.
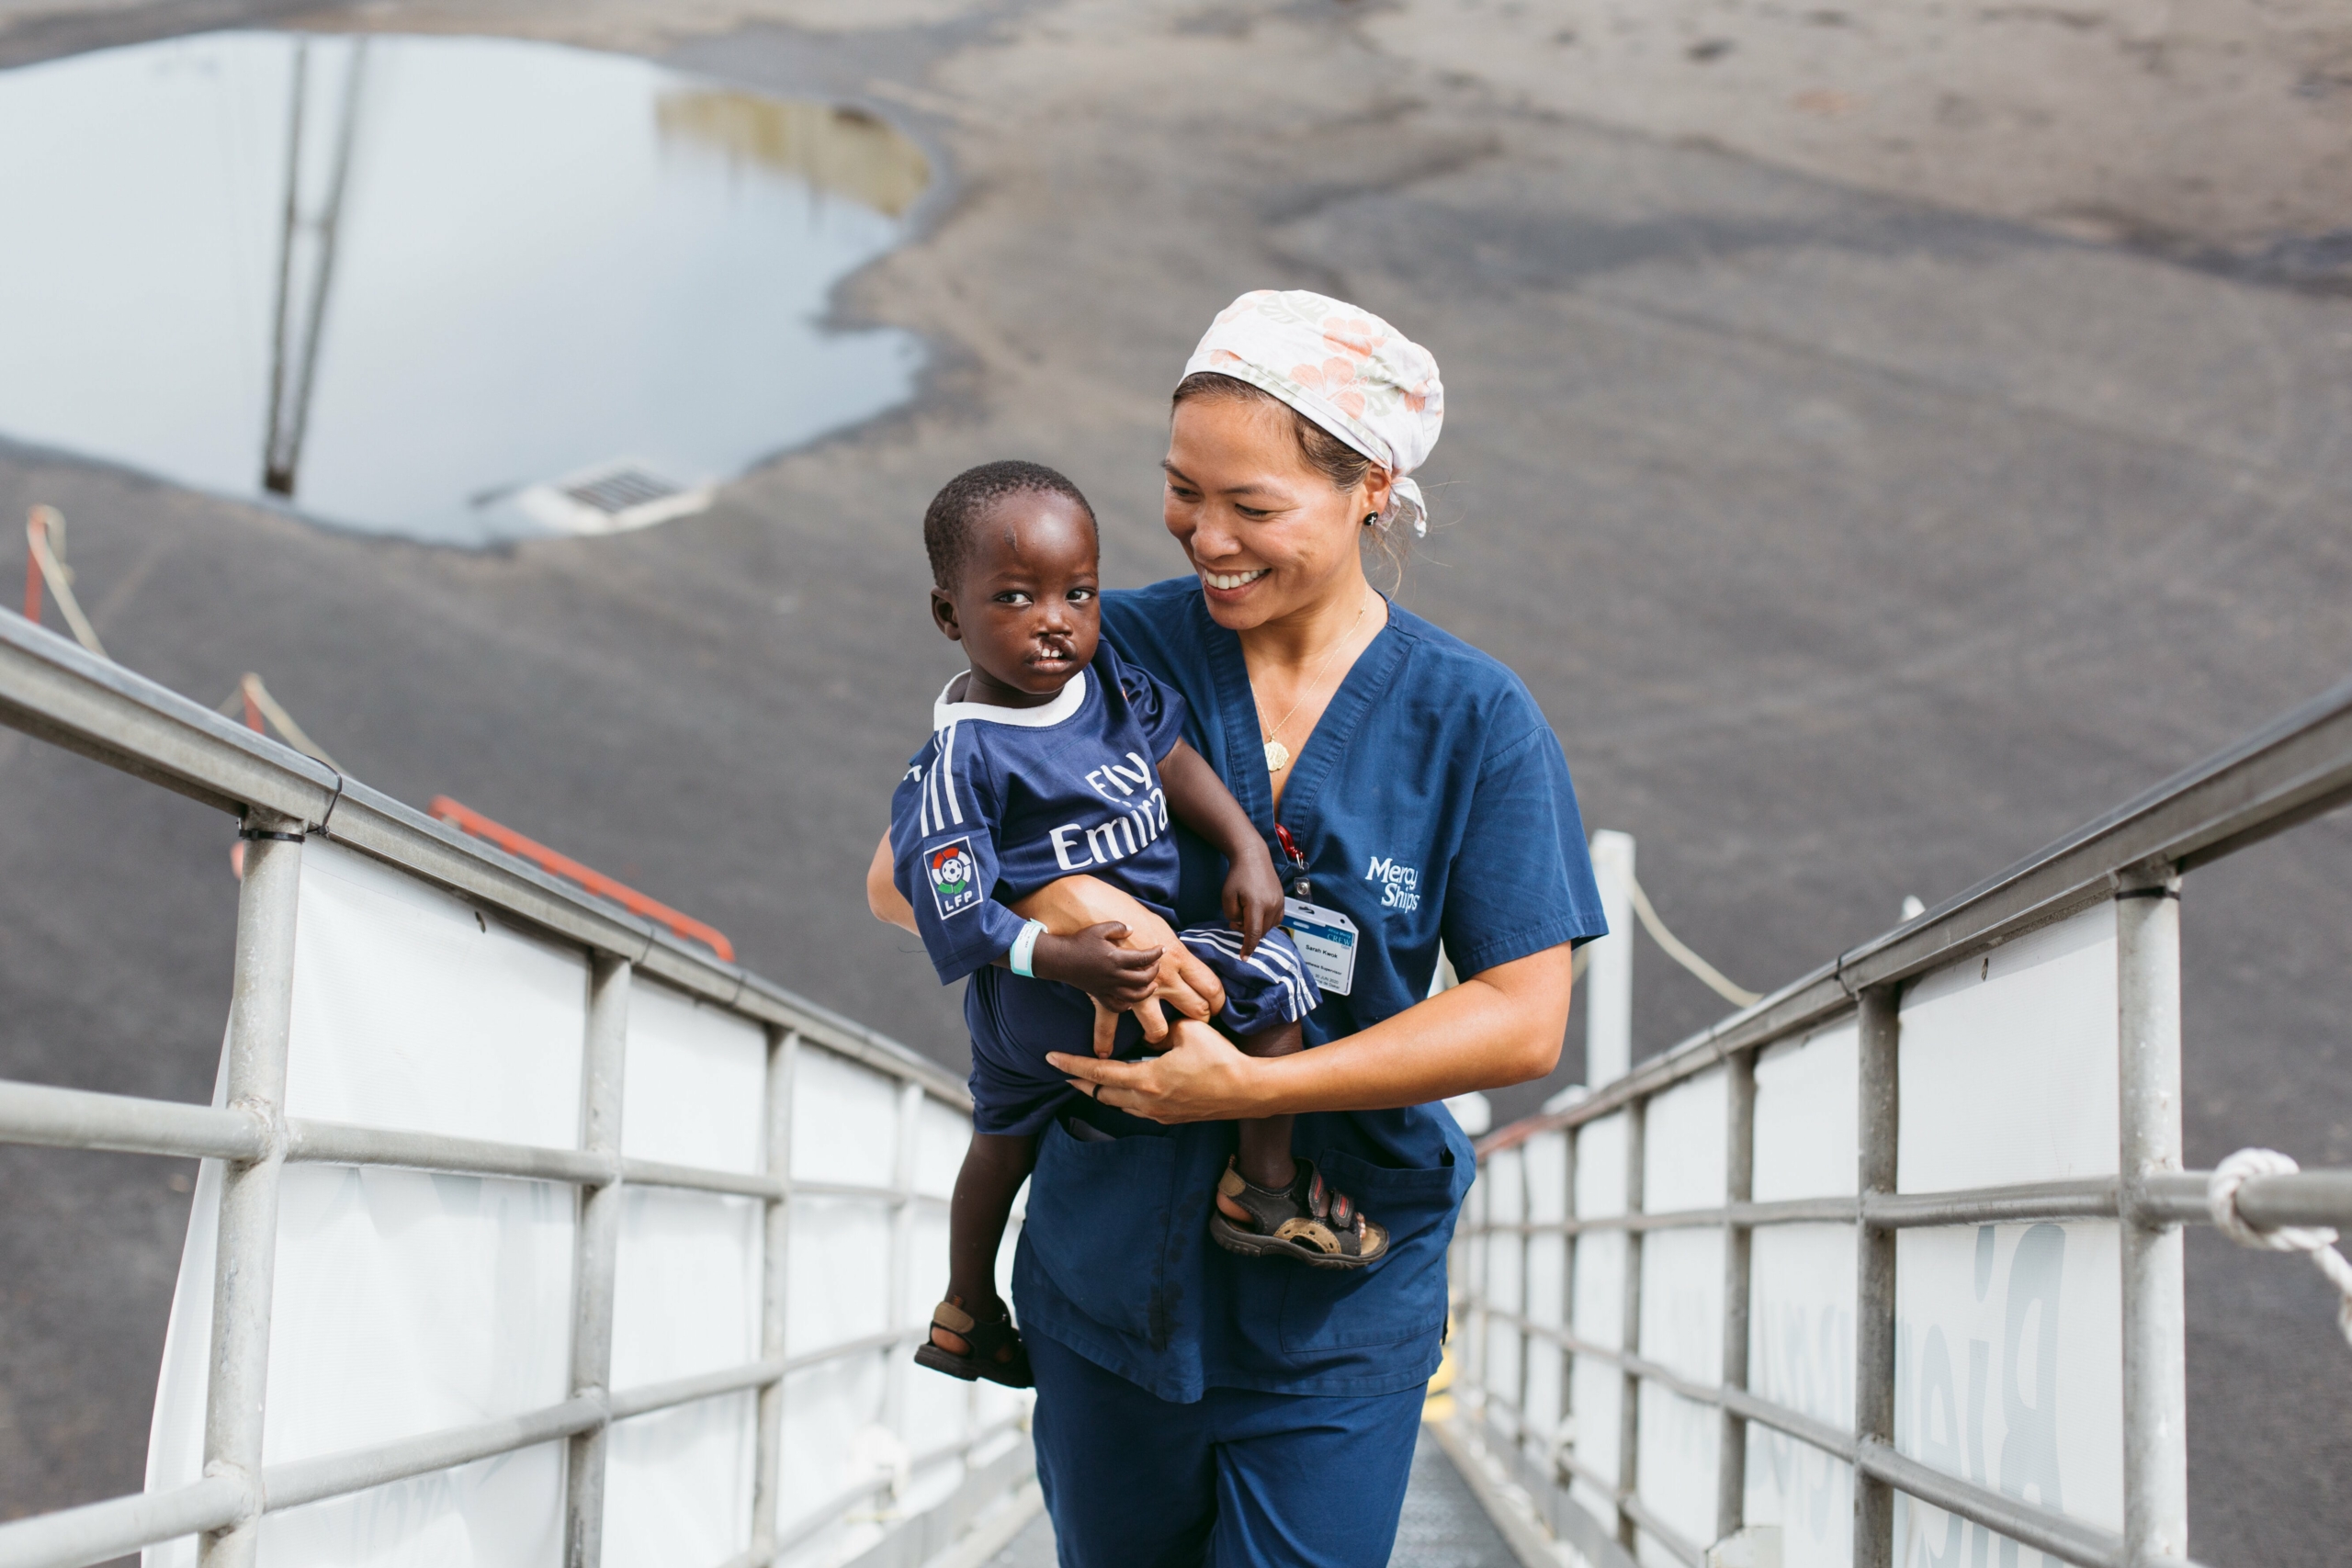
pixel 1325 452
pixel 962 501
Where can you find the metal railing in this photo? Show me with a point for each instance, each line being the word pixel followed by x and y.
pixel 58 692
pixel 2136 857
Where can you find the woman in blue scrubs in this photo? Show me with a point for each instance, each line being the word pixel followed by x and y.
pixel 1195 1405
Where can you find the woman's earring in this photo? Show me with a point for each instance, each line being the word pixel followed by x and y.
pixel 1372 519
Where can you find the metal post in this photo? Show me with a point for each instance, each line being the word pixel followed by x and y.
pixel 1526 1301
pixel 1629 1409
pixel 595 1256
pixel 260 1008
pixel 1878 1125
pixel 1571 1241
pixel 2155 1399
pixel 1739 1187
pixel 1609 973
pixel 768 1479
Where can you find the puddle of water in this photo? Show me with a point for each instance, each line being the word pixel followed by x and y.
pixel 505 272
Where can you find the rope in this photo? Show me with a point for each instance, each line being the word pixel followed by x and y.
pixel 2319 1241
pixel 40 524
pixel 254 698
pixel 1712 978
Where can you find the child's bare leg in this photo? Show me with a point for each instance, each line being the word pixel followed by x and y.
pixel 994 1168
pixel 1265 1158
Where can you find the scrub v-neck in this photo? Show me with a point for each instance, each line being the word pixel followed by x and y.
pixel 1324 745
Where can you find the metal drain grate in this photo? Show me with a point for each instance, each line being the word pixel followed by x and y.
pixel 611 498
pixel 622 490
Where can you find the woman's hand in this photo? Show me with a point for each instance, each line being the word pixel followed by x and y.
pixel 1191 986
pixel 1500 1026
pixel 1200 1078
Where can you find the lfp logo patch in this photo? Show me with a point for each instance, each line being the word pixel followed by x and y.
pixel 955 877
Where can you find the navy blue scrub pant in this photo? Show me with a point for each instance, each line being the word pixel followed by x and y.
pixel 1238 1480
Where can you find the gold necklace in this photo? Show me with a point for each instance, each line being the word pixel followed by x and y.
pixel 1278 754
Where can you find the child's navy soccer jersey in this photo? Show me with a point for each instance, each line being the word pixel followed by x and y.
pixel 1001 801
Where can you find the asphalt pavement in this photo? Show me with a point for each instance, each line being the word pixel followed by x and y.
pixel 1856 545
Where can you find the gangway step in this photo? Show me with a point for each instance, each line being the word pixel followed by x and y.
pixel 1443 1525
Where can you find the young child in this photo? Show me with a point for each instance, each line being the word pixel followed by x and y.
pixel 1051 757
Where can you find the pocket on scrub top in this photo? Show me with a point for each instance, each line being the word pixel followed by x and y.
pixel 1097 1222
pixel 1402 1297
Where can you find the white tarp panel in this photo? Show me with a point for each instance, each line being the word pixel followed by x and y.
pixel 1595 1390
pixel 1547 1161
pixel 1800 1296
pixel 2009 1369
pixel 408 1303
pixel 1505 1199
pixel 1682 1295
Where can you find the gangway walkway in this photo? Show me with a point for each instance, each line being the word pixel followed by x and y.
pixel 527 1225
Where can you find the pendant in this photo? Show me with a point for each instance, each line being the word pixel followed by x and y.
pixel 1277 756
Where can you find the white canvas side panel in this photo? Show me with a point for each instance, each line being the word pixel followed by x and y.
pixel 1801 1356
pixel 412 1010
pixel 1680 1445
pixel 1801 1320
pixel 1546 1155
pixel 833 1443
pixel 1682 1301
pixel 840 1268
pixel 1682 1145
pixel 678 1485
pixel 1809 1494
pixel 405 1303
pixel 686 1286
pixel 941 1134
pixel 844 1121
pixel 2008 1063
pixel 1805 1129
pixel 1599 1302
pixel 501 1512
pixel 2007 1368
pixel 696 1082
pixel 1505 1199
pixel 1601 1167
pixel 1597 1392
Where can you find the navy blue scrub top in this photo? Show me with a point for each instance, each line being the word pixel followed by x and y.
pixel 1432 805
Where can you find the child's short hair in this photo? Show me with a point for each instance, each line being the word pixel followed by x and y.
pixel 960 504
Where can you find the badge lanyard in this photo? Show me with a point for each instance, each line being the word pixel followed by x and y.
pixel 1324 938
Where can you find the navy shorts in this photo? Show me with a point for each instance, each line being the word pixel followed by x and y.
pixel 1015 1022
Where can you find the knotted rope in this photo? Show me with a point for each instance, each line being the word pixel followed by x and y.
pixel 2319 1241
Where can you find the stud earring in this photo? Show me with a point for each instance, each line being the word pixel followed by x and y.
pixel 1372 519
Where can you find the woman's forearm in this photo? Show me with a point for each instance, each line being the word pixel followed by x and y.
pixel 882 895
pixel 1502 1027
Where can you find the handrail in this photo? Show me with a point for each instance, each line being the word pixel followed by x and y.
pixel 464 817
pixel 2293 769
pixel 59 692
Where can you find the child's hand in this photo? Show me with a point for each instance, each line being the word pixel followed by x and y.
pixel 1253 896
pixel 1093 961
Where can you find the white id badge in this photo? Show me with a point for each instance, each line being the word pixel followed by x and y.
pixel 1326 939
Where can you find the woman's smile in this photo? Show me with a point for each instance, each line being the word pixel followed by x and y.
pixel 1231 582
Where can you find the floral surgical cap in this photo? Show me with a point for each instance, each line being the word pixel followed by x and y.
pixel 1344 368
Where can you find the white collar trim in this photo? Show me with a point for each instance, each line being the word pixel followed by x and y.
pixel 1066 704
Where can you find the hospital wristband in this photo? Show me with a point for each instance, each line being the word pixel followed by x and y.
pixel 1024 948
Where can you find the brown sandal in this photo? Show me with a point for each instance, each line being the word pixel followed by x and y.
pixel 1307 1222
pixel 994 1349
